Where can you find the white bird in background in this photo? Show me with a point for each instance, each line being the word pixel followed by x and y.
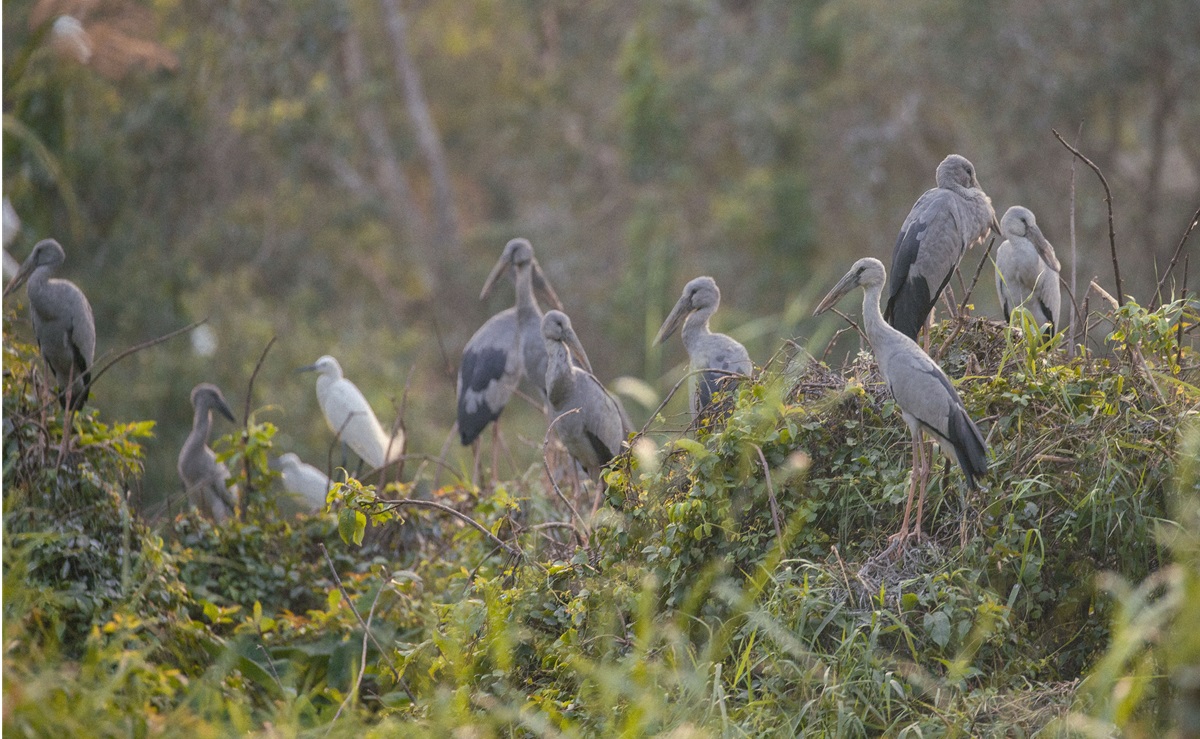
pixel 1027 269
pixel 203 476
pixel 304 480
pixel 350 416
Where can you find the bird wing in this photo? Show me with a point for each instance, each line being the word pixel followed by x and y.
pixel 926 395
pixel 491 368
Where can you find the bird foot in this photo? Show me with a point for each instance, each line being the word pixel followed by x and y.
pixel 899 540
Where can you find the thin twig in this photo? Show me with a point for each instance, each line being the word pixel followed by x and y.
pixel 349 602
pixel 1157 299
pixel 403 502
pixel 770 493
pixel 587 531
pixel 962 308
pixel 1112 236
pixel 144 345
pixel 362 665
pixel 245 502
pixel 1074 256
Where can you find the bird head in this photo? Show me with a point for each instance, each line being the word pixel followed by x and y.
pixel 1019 222
pixel 285 461
pixel 47 253
pixel 326 365
pixel 956 170
pixel 556 326
pixel 207 395
pixel 866 272
pixel 699 294
pixel 518 254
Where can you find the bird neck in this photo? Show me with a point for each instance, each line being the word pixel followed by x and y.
pixel 201 423
pixel 695 326
pixel 558 370
pixel 873 324
pixel 526 303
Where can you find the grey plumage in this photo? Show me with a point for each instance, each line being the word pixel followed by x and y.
pixel 718 358
pixel 507 347
pixel 1027 269
pixel 62 321
pixel 928 401
pixel 587 419
pixel 203 476
pixel 942 225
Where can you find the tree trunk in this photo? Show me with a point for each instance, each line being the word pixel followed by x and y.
pixel 430 143
pixel 406 218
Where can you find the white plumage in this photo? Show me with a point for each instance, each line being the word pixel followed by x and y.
pixel 304 480
pixel 350 416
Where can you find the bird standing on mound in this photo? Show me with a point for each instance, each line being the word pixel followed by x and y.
pixel 942 225
pixel 927 400
pixel 203 476
pixel 1027 269
pixel 350 416
pixel 62 322
pixel 717 358
pixel 588 420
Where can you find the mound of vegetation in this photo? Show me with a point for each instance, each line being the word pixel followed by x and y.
pixel 736 584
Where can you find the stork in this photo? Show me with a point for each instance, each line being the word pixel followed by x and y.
pixel 927 400
pixel 1027 269
pixel 589 421
pixel 942 225
pixel 507 347
pixel 302 479
pixel 717 358
pixel 203 476
pixel 62 321
pixel 350 416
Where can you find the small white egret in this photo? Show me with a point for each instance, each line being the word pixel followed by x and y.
pixel 350 416
pixel 303 480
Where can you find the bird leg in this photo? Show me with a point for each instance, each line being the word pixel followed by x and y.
pixel 925 453
pixel 495 453
pixel 437 475
pixel 948 299
pixel 900 538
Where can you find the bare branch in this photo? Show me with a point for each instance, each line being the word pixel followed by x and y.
pixel 1157 299
pixel 1112 236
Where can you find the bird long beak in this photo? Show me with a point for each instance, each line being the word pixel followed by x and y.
pixel 224 409
pixel 575 348
pixel 541 284
pixel 494 275
pixel 675 319
pixel 275 463
pixel 22 275
pixel 845 285
pixel 996 226
pixel 307 368
pixel 1044 249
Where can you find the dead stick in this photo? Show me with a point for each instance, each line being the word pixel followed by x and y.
pixel 246 427
pixel 1112 235
pixel 1154 302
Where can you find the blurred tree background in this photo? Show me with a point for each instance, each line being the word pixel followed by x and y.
pixel 342 174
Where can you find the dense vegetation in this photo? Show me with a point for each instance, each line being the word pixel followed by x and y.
pixel 734 585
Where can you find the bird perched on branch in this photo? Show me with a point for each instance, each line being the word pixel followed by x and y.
pixel 62 321
pixel 1027 269
pixel 203 476
pixel 717 358
pixel 942 225
pixel 350 416
pixel 928 401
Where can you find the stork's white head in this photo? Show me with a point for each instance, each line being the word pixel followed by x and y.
pixel 866 273
pixel 47 253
